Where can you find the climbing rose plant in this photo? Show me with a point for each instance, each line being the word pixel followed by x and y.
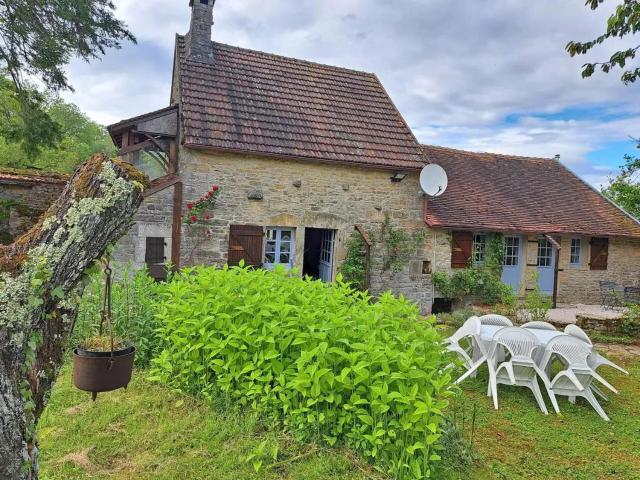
pixel 196 211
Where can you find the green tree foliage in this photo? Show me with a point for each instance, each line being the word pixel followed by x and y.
pixel 79 138
pixel 322 360
pixel 623 22
pixel 38 38
pixel 625 188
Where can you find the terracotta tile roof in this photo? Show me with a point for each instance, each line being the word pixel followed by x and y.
pixel 518 194
pixel 27 177
pixel 250 101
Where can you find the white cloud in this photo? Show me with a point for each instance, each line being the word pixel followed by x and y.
pixel 456 70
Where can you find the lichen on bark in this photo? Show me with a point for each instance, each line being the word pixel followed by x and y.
pixel 39 273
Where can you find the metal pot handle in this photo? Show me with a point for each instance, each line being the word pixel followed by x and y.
pixel 106 306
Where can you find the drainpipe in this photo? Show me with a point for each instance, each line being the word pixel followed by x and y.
pixel 556 268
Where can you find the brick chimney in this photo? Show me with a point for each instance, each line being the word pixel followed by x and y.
pixel 199 37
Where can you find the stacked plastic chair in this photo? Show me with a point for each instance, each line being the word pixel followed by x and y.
pixel 576 379
pixel 497 320
pixel 520 367
pixel 595 359
pixel 539 325
pixel 468 332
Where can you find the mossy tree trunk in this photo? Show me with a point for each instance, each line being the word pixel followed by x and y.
pixel 40 278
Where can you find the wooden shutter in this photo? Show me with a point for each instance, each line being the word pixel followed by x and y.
pixel 245 243
pixel 599 253
pixel 461 249
pixel 154 257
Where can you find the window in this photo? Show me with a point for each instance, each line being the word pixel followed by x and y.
pixel 576 251
pixel 511 251
pixel 278 247
pixel 545 253
pixel 479 247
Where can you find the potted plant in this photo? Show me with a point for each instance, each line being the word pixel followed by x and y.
pixel 103 363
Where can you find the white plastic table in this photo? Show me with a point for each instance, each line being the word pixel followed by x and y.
pixel 544 336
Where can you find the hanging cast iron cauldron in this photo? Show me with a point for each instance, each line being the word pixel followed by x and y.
pixel 95 371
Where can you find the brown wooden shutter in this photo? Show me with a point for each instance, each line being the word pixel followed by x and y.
pixel 461 249
pixel 599 253
pixel 245 243
pixel 155 258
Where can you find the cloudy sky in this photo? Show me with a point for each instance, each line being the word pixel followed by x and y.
pixel 474 74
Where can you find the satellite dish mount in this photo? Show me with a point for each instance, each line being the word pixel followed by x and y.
pixel 433 180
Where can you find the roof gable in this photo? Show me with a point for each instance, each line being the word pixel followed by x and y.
pixel 520 194
pixel 248 101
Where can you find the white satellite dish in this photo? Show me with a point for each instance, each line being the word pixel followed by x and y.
pixel 433 180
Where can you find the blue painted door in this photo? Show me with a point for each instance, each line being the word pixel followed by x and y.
pixel 546 264
pixel 512 262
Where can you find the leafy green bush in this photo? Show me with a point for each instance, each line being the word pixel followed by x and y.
pixel 481 281
pixel 631 321
pixel 536 305
pixel 134 301
pixel 456 318
pixel 321 359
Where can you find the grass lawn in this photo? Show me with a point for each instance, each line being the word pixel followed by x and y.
pixel 150 432
pixel 520 442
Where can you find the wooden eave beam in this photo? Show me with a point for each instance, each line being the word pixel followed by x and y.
pixel 160 184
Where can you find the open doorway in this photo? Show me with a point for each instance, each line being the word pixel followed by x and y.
pixel 318 253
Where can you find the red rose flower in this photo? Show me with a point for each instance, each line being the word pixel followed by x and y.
pixel 209 194
pixel 194 218
pixel 206 217
pixel 215 188
pixel 189 206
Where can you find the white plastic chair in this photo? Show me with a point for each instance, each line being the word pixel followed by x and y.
pixel 577 378
pixel 520 369
pixel 469 331
pixel 539 325
pixel 494 319
pixel 595 360
pixel 576 331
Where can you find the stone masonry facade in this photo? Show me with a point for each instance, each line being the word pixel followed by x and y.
pixel 298 194
pixel 578 283
pixel 310 195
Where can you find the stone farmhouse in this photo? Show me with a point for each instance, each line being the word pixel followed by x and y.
pixel 307 154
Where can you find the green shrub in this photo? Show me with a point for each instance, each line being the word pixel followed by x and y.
pixel 536 305
pixel 631 321
pixel 456 318
pixel 322 360
pixel 481 281
pixel 134 301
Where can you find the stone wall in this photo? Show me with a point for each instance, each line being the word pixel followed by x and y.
pixel 153 219
pixel 23 199
pixel 310 195
pixel 579 284
pixel 576 283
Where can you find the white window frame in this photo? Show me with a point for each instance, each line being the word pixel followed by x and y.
pixel 278 245
pixel 515 250
pixel 579 253
pixel 548 248
pixel 479 249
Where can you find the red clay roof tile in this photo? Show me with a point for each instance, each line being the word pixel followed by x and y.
pixel 519 194
pixel 251 101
